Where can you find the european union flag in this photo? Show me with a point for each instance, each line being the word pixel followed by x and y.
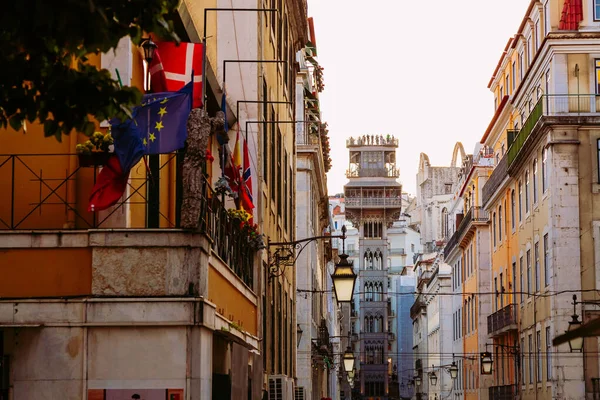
pixel 162 118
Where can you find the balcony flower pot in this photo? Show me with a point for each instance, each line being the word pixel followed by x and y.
pixel 93 159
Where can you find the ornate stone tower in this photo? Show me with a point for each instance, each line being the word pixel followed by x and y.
pixel 373 202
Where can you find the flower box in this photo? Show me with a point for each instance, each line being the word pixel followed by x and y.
pixel 93 159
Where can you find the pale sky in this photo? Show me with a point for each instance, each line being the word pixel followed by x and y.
pixel 415 69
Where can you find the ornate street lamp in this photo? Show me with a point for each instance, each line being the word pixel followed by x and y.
pixel 433 377
pixel 575 344
pixel 453 370
pixel 149 48
pixel 417 380
pixel 486 363
pixel 348 359
pixel 343 278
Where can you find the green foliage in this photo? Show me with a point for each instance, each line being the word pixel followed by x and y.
pixel 42 62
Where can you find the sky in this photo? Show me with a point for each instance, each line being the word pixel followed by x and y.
pixel 394 67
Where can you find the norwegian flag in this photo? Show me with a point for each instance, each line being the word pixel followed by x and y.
pixel 172 65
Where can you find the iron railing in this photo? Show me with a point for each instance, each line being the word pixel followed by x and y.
pixel 391 172
pixel 372 201
pixel 502 318
pixel 495 180
pixel 553 105
pixel 506 392
pixel 50 192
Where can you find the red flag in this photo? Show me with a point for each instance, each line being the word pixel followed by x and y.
pixel 231 172
pixel 110 186
pixel 246 191
pixel 172 65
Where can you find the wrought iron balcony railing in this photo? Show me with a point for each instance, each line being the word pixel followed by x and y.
pixel 50 192
pixel 373 202
pixel 502 319
pixel 506 392
pixel 495 179
pixel 475 214
pixel 553 105
pixel 390 172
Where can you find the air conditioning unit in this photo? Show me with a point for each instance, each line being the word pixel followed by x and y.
pixel 299 393
pixel 281 387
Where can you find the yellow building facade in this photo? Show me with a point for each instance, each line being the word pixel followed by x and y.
pixel 544 135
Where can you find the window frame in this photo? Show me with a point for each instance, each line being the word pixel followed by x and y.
pixel 545 168
pixel 513 208
pixel 546 260
pixel 534 180
pixel 527 176
pixel 596 6
pixel 520 189
pixel 548 354
pixel 536 255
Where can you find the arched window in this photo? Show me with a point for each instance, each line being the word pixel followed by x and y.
pixel 366 327
pixel 366 292
pixel 371 322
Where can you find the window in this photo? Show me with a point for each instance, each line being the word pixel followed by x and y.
pixel 596 10
pixel 507 83
pixel 548 354
pixel 521 65
pixel 494 228
pixel 536 254
pixel 545 169
pixel 500 223
pixel 536 29
pixel 534 182
pixel 526 191
pixel 501 291
pixel 501 92
pixel 497 294
pixel 538 339
pixel 597 70
pixel 520 186
pixel 514 75
pixel 530 342
pixel 528 259
pixel 523 360
pixel 521 287
pixel 512 209
pixel 546 261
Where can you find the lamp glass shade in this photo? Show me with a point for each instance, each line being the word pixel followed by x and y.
pixel 453 370
pixel 149 47
pixel 349 360
pixel 343 278
pixel 575 344
pixel 486 363
pixel 418 380
pixel 433 378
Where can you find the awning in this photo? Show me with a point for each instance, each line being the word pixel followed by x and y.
pixel 589 329
pixel 572 14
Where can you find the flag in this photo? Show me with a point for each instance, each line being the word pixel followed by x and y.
pixel 224 109
pixel 159 126
pixel 109 187
pixel 161 120
pixel 172 65
pixel 247 200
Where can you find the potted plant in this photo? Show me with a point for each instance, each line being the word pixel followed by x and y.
pixel 250 231
pixel 95 151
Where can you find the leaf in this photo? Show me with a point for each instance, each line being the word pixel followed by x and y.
pixel 50 128
pixel 16 122
pixel 89 128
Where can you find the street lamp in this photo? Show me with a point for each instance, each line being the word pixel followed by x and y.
pixel 351 374
pixel 433 377
pixel 348 359
pixel 343 276
pixel 149 48
pixel 417 380
pixel 576 343
pixel 453 370
pixel 486 363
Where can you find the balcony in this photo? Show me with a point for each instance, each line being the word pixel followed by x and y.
pixel 47 196
pixel 497 177
pixel 390 172
pixel 572 106
pixel 503 320
pixel 475 215
pixel 373 202
pixel 506 392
